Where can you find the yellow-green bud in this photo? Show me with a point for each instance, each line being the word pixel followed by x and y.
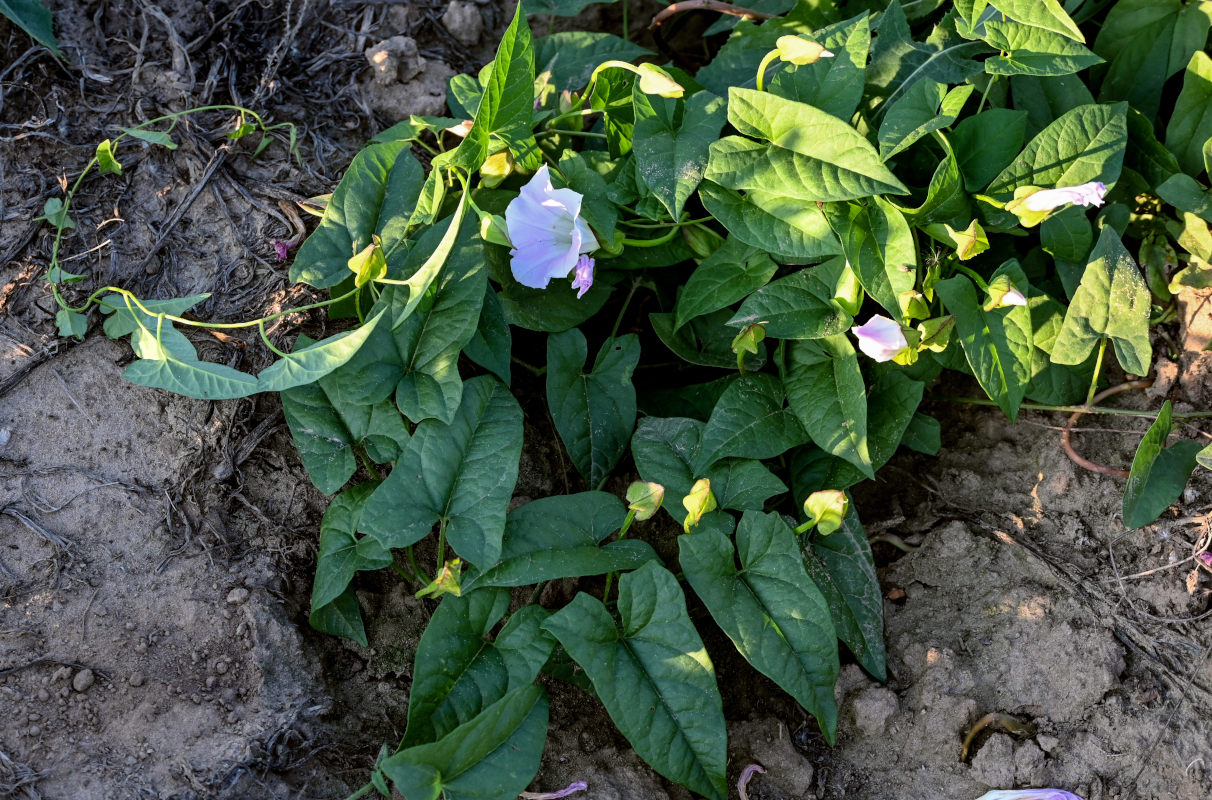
pixel 368 264
pixel 700 501
pixel 654 80
pixel 800 50
pixel 447 581
pixel 644 498
pixel 826 509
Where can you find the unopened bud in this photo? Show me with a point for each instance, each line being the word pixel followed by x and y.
pixel 447 581
pixel 826 510
pixel 700 501
pixel 800 50
pixel 644 498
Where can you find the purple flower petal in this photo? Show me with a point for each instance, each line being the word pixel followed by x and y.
pixel 881 338
pixel 583 278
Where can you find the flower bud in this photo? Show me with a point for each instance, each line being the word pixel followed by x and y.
pixel 368 264
pixel 700 501
pixel 848 293
pixel 494 230
pixel 654 80
pixel 936 333
pixel 913 305
pixel 644 498
pixel 496 168
pixel 1002 293
pixel 447 581
pixel 800 50
pixel 703 241
pixel 748 341
pixel 826 509
pixel 969 242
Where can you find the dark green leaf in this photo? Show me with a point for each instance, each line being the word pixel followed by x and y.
pixel 35 19
pixel 925 108
pixel 769 608
pixel 341 617
pixel 653 676
pixel 492 344
pixel 1191 123
pixel 798 306
pixel 572 56
pixel 1084 144
pixel 1034 51
pixel 749 421
pixel 494 756
pixel 721 279
pixel 594 412
pixel 459 670
pixel 841 566
pixel 986 143
pixel 924 434
pixel 341 552
pixel 879 247
pixel 790 230
pixel 1112 301
pixel 561 8
pixel 671 157
pixel 826 391
pixel 376 197
pixel 1158 473
pixel 561 537
pixel 461 474
pixel 706 340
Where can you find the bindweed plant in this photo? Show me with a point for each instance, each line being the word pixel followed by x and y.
pixel 743 280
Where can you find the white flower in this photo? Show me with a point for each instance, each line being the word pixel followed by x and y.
pixel 1014 298
pixel 1088 194
pixel 1028 794
pixel 881 338
pixel 547 232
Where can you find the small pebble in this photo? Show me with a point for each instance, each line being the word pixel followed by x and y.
pixel 84 680
pixel 221 667
pixel 237 596
pixel 140 647
pixel 136 679
pixel 43 695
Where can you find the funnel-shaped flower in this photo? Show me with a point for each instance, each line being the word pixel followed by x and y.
pixel 1028 794
pixel 1002 293
pixel 881 338
pixel 1088 194
pixel 547 232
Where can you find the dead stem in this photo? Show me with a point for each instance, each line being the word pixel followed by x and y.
pixel 1066 434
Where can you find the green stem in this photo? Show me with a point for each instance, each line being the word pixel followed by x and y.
pixel 988 86
pixel 657 242
pixel 618 320
pixel 268 343
pixel 1098 366
pixel 130 298
pixel 566 132
pixel 1125 412
pixel 626 25
pixel 761 71
pixel 441 547
pixel 365 790
pixel 977 279
pixel 658 225
pixel 538 372
pixel 422 575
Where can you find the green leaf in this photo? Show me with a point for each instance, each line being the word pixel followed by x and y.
pixel 1158 473
pixel 1112 301
pixel 666 450
pixel 672 155
pixel 320 435
pixel 653 676
pixel 341 553
pixel 985 144
pixel 924 435
pixel 925 108
pixel 727 275
pixel 1146 154
pixel 58 274
pixel 879 246
pixel 494 756
pixel 1146 42
pixel 561 8
pixel 507 106
pixel 841 566
pixel 459 670
pixel 594 411
pixel 168 361
pixel 55 212
pixel 1054 384
pixel 341 617
pixel 749 421
pixel 834 85
pixel 826 392
pixel 572 56
pixel 706 340
pixel 1045 100
pixel 550 310
pixel 737 61
pixel 445 318
pixel 769 608
pixel 562 537
pixel 898 61
pixel 817 156
pixel 786 228
pixel 71 323
pixel 107 163
pixel 1034 51
pixel 1045 14
pixel 492 344
pixel 996 342
pixel 1184 193
pixel 1190 125
pixel 1204 457
pixel 461 475
pixel 160 138
pixel 376 197
pixel 313 362
pixel 798 306
pixel 35 19
pixel 1084 144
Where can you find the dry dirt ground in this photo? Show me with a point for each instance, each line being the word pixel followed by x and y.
pixel 156 551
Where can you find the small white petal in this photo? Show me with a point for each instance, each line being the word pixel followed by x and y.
pixel 880 338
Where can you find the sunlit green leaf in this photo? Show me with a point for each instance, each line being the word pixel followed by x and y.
pixel 1158 473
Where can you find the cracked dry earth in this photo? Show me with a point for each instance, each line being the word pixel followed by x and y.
pixel 156 551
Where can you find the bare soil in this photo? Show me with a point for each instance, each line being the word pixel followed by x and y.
pixel 156 552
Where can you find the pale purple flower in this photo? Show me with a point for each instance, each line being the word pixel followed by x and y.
pixel 282 249
pixel 1028 794
pixel 573 788
pixel 742 782
pixel 1088 194
pixel 582 279
pixel 547 232
pixel 1205 559
pixel 881 338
